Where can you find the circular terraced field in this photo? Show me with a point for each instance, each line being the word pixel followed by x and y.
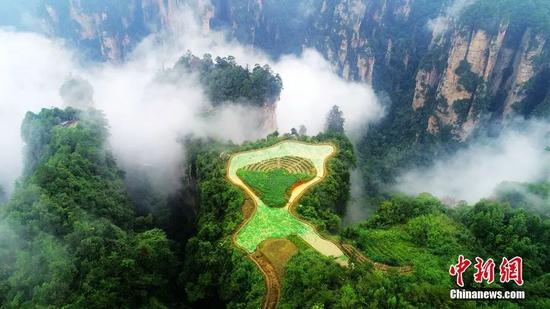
pixel 292 164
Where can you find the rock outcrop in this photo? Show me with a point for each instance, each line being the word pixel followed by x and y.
pixel 461 74
pixel 105 30
pixel 491 67
pixel 523 68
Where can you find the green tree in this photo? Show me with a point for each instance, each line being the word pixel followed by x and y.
pixel 224 80
pixel 335 121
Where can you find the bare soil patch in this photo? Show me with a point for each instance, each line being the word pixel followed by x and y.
pixel 278 251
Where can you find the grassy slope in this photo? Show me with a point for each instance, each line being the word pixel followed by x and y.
pixel 269 222
pixel 428 243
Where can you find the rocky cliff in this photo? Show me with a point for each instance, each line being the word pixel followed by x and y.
pixel 102 30
pixel 449 77
pixel 353 34
pixel 482 74
pixel 452 77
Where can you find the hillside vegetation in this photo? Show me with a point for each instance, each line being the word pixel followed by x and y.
pixel 224 80
pixel 68 232
pixel 421 232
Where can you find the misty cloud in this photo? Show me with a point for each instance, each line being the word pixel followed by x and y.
pixel 311 88
pixel 474 173
pixel 147 117
pixel 31 70
pixel 358 207
pixel 519 193
pixel 440 24
pixel 77 92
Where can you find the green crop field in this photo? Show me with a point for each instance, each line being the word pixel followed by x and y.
pixel 270 174
pixel 389 247
pixel 272 186
pixel 269 223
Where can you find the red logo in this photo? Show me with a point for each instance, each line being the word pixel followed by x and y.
pixel 484 271
pixel 459 268
pixel 510 270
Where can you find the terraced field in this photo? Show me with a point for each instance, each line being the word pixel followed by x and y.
pixel 274 178
pixel 273 186
pixel 268 222
pixel 291 164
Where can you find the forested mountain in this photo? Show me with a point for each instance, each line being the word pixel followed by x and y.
pixel 69 233
pixel 86 227
pixel 448 71
pixel 226 81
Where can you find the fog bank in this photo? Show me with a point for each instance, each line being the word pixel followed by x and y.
pixel 147 117
pixel 517 154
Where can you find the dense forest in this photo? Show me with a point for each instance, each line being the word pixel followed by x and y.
pixel 416 232
pixel 424 234
pixel 69 231
pixel 228 277
pixel 78 232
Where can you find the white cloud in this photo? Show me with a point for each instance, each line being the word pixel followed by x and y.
pixel 475 172
pixel 440 24
pixel 312 88
pixel 147 117
pixel 31 70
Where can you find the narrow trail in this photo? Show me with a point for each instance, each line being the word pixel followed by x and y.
pixel 358 257
pixel 273 286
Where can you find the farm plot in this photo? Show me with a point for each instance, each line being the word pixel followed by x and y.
pixel 272 180
pixel 300 165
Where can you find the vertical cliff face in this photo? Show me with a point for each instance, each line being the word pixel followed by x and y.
pixel 353 34
pixel 269 116
pixel 483 74
pixel 523 68
pixel 452 77
pixel 103 30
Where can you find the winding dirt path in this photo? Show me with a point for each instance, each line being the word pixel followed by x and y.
pixel 273 286
pixel 358 257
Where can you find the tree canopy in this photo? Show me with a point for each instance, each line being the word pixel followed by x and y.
pixel 69 224
pixel 335 120
pixel 225 80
